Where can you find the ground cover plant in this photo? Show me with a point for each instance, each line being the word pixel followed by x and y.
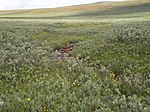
pixel 108 70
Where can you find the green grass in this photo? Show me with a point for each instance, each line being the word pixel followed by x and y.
pixel 112 74
pixel 118 12
pixel 127 9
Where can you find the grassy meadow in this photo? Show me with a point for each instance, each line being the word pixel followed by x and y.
pixel 112 73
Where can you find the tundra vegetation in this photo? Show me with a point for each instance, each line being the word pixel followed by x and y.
pixel 108 70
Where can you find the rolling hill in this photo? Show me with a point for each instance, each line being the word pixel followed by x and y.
pixel 126 9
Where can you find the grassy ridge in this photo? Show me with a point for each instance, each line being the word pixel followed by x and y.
pixel 105 8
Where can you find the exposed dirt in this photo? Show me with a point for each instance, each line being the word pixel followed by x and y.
pixel 65 52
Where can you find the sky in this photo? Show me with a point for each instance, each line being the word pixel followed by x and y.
pixel 32 4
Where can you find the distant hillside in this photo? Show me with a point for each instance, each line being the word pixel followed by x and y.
pixel 132 8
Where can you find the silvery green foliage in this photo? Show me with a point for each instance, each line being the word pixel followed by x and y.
pixel 112 74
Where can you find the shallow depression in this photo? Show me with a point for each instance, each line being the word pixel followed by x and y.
pixel 65 52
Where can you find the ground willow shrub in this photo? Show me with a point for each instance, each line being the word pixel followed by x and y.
pixel 132 33
pixel 18 53
pixel 107 77
pixel 124 55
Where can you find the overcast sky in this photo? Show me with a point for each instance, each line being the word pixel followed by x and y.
pixel 31 4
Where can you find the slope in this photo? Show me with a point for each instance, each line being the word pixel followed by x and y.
pixel 132 8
